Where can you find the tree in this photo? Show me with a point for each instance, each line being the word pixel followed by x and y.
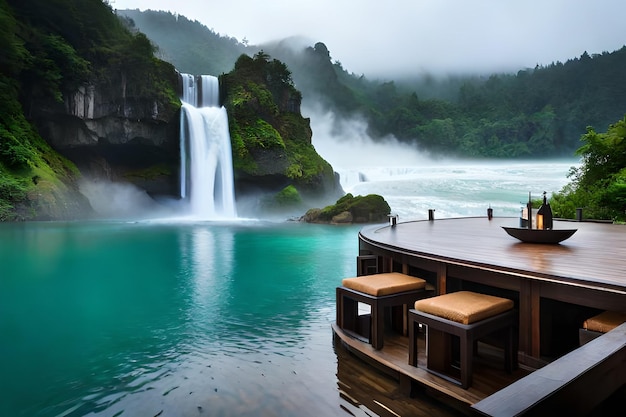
pixel 599 184
pixel 604 154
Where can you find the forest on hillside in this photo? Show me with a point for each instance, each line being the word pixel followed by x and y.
pixel 47 48
pixel 539 112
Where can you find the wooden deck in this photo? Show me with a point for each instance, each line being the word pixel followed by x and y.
pixel 489 373
pixel 555 288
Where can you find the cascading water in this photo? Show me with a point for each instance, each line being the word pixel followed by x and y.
pixel 206 174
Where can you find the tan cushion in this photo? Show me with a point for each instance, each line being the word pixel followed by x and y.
pixel 384 284
pixel 464 306
pixel 604 322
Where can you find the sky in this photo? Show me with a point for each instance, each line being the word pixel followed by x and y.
pixel 397 37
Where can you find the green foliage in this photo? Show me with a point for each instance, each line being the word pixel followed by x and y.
pixel 599 184
pixel 242 159
pixel 14 56
pixel 74 69
pixel 286 200
pixel 288 196
pixel 13 154
pixel 150 173
pixel 58 45
pixel 16 134
pixel 263 135
pixel 27 163
pixel 537 113
pixel 11 188
pixel 603 154
pixel 265 75
pixel 53 65
pixel 248 130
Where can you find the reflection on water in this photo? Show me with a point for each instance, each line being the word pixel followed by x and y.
pixel 177 319
pixel 206 259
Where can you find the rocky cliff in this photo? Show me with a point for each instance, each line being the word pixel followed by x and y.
pixel 111 136
pixel 272 147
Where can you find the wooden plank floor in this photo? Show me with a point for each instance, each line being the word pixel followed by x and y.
pixel 370 391
pixel 489 374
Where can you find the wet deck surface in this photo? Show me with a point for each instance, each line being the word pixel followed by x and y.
pixel 592 257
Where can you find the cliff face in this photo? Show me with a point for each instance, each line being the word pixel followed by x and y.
pixel 110 136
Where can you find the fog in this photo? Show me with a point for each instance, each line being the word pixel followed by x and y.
pixel 121 200
pixel 346 145
pixel 400 37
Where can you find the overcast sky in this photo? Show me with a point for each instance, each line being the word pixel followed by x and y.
pixel 379 38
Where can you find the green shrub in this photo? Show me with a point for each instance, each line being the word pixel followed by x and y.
pixel 288 196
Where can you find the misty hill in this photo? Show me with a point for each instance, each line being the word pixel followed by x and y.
pixel 539 112
pixel 188 44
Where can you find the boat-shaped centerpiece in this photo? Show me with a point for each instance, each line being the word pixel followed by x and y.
pixel 539 235
pixel 544 232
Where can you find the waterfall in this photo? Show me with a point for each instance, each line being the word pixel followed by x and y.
pixel 206 168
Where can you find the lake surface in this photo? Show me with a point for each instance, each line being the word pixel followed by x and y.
pixel 181 317
pixel 100 318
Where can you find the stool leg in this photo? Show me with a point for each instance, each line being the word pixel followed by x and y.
pixel 510 353
pixel 467 355
pixel 412 341
pixel 514 347
pixel 339 308
pixel 347 311
pixel 378 326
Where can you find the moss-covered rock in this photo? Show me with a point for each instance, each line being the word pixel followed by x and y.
pixel 342 218
pixel 371 208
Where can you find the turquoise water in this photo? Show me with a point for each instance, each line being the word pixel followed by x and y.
pixel 142 318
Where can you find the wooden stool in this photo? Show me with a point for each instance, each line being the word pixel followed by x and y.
pixel 465 314
pixel 599 324
pixel 378 291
